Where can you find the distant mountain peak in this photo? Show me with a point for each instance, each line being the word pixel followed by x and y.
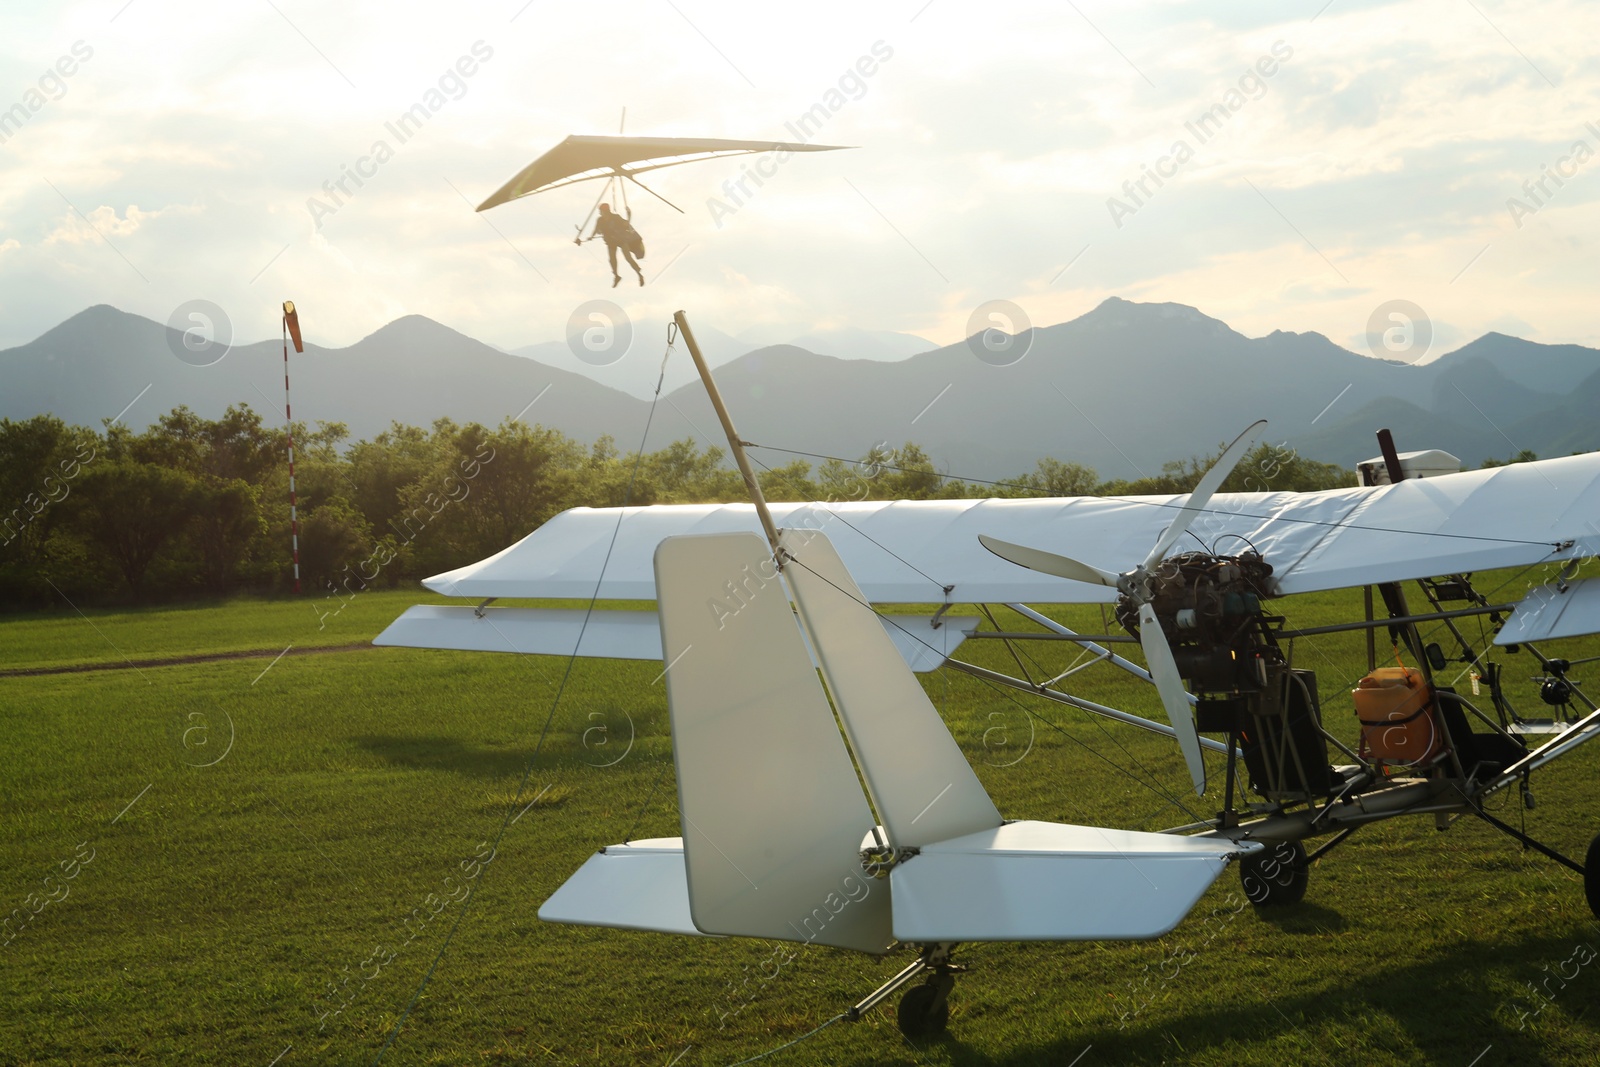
pixel 409 331
pixel 1115 310
pixel 98 323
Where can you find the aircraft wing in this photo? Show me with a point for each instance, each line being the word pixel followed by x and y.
pixel 928 551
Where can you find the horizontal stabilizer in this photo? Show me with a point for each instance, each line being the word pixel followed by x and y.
pixel 621 634
pixel 637 886
pixel 1039 881
pixel 1551 611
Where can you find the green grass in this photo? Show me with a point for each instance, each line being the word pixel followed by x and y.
pixel 221 907
pixel 65 636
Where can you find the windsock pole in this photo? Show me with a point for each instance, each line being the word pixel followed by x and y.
pixel 291 324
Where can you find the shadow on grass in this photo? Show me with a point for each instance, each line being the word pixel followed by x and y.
pixel 439 753
pixel 1302 919
pixel 1439 1003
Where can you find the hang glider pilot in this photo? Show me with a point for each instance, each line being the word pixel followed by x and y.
pixel 618 232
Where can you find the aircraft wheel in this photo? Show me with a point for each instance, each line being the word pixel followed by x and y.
pixel 1591 876
pixel 924 1010
pixel 1275 876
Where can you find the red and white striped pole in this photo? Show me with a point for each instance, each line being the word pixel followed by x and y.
pixel 291 330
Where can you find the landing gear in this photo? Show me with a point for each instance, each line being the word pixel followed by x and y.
pixel 1591 876
pixel 925 1009
pixel 1275 876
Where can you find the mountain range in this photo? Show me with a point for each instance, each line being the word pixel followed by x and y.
pixel 1122 388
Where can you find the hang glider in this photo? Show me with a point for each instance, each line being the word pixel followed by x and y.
pixel 584 157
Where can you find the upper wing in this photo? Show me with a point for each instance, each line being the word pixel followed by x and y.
pixel 580 157
pixel 928 551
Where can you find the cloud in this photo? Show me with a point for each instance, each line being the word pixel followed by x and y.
pixel 103 222
pixel 1387 145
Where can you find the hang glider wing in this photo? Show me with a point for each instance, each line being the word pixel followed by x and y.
pixel 579 158
pixel 919 552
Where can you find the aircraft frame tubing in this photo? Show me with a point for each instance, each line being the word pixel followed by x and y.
pixel 1585 729
pixel 1340 814
pixel 1412 797
pixel 1077 702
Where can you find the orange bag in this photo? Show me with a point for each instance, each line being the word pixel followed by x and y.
pixel 1395 708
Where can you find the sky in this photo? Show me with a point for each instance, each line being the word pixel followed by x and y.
pixel 1357 154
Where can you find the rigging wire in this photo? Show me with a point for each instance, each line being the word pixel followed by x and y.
pixel 1148 785
pixel 791 1044
pixel 544 732
pixel 826 507
pixel 1153 783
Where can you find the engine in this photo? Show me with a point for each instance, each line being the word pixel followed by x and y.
pixel 1209 608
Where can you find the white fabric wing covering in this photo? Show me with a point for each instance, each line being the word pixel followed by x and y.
pixel 540 631
pixel 773 814
pixel 910 551
pixel 612 634
pixel 1553 611
pixel 921 784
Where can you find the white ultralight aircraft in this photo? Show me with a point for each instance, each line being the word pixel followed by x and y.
pixel 779 841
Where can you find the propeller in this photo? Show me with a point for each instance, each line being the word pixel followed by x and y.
pixel 1047 562
pixel 1205 491
pixel 1164 672
pixel 1135 585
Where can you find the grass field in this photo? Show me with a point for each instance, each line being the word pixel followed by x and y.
pixel 255 862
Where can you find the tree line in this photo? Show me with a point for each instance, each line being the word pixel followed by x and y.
pixel 194 507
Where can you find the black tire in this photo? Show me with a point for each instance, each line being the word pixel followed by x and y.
pixel 1275 876
pixel 1591 876
pixel 916 1015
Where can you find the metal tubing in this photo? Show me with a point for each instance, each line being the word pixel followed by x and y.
pixel 1079 703
pixel 1399 620
pixel 1050 624
pixel 1026 635
pixel 1583 730
pixel 734 443
pixel 1512 831
pixel 886 990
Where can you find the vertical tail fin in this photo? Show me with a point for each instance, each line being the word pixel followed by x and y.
pixel 772 811
pixel 923 787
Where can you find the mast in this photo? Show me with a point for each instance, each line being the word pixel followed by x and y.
pixel 734 443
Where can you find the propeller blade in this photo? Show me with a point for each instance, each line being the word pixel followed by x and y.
pixel 1164 670
pixel 1047 562
pixel 1205 490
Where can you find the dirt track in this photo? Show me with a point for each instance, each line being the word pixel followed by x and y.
pixel 178 661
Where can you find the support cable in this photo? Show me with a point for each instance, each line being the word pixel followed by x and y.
pixel 544 732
